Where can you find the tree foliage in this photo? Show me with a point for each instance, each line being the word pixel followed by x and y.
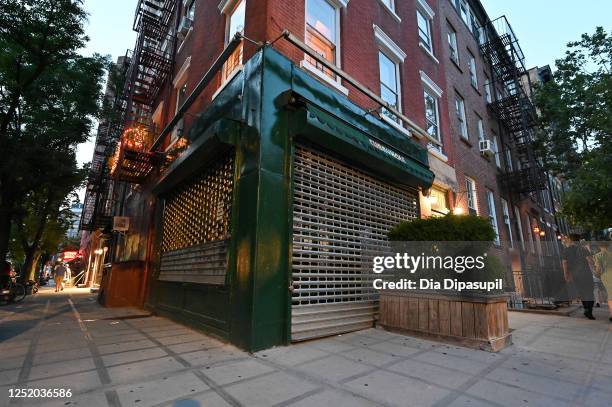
pixel 575 138
pixel 49 98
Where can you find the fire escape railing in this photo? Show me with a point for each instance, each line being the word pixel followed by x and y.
pixel 512 106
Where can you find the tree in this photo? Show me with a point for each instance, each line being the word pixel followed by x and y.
pixel 44 215
pixel 575 136
pixel 49 96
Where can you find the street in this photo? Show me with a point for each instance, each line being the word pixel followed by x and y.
pixel 124 357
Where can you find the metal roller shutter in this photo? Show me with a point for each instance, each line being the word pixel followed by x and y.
pixel 340 214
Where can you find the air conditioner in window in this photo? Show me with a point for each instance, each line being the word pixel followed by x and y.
pixel 184 27
pixel 486 147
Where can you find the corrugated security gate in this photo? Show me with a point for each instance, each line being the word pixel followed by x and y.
pixel 340 215
pixel 196 226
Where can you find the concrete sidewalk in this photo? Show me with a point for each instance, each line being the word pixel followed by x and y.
pixel 66 340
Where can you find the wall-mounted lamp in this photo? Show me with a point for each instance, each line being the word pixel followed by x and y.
pixel 542 233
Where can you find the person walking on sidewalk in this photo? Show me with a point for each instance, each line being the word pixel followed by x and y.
pixel 603 270
pixel 577 262
pixel 60 273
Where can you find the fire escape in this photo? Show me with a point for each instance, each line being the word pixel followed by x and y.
pixel 122 147
pixel 150 67
pixel 512 106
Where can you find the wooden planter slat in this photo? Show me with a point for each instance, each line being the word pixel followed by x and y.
pixel 475 321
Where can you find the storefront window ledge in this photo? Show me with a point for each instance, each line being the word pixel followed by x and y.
pixel 437 153
pixel 396 125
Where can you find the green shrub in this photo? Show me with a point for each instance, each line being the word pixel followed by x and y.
pixel 450 228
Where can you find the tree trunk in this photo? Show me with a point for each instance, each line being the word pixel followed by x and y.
pixel 6 217
pixel 31 257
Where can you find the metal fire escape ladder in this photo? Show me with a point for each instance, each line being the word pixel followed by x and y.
pixel 512 106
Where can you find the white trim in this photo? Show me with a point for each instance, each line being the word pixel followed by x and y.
pixel 180 48
pixel 227 80
pixel 181 76
pixel 398 126
pixel 388 45
pixel 426 8
pixel 391 10
pixel 339 3
pixel 226 5
pixel 428 52
pixel 437 153
pixel 320 75
pixel 427 81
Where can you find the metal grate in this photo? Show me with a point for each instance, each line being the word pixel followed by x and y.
pixel 340 216
pixel 199 211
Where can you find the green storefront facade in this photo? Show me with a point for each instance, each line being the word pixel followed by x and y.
pixel 269 137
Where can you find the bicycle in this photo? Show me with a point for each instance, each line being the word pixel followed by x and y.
pixel 13 291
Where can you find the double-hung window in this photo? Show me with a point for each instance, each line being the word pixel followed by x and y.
pixel 481 132
pixel 464 11
pixel 452 45
pixel 493 215
pixel 389 83
pixel 487 89
pixel 460 111
pixel 472 69
pixel 322 33
pixel 494 142
pixel 519 224
pixel 390 58
pixel 509 165
pixel 506 214
pixel 432 116
pixel 190 10
pixel 235 24
pixel 472 200
pixel 425 16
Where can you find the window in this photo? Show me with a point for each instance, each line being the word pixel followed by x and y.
pixel 452 45
pixel 464 11
pixel 496 151
pixel 181 95
pixel 460 111
pixel 235 24
pixel 322 32
pixel 472 200
pixel 389 3
pixel 506 213
pixel 472 69
pixel 432 116
pixel 487 89
pixel 530 233
pixel 389 83
pixel 517 216
pixel 481 133
pixel 424 25
pixel 438 199
pixel 493 215
pixel 509 166
pixel 190 10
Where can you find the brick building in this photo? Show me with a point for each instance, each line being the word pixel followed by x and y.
pixel 260 143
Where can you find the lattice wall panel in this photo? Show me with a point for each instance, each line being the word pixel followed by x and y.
pixel 199 210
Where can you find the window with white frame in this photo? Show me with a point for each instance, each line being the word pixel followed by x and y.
pixel 464 11
pixel 432 117
pixel 460 112
pixel 438 199
pixel 323 33
pixel 432 94
pixel 493 215
pixel 509 165
pixel 506 214
pixel 389 3
pixel 487 89
pixel 390 58
pixel 190 9
pixel 472 200
pixel 495 144
pixel 424 27
pixel 519 224
pixel 472 69
pixel 481 132
pixel 389 83
pixel 452 45
pixel 235 13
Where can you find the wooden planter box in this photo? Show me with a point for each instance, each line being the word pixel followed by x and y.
pixel 477 321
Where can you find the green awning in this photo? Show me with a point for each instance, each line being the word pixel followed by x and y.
pixel 405 162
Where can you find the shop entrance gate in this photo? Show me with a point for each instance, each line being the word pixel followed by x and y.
pixel 341 215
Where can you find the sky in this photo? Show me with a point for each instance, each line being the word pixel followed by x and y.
pixel 543 28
